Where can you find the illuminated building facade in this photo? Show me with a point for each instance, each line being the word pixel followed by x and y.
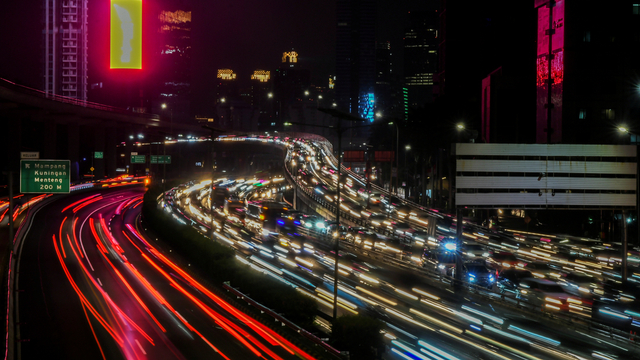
pixel 290 82
pixel 355 55
pixel 65 48
pixel 226 74
pixel 261 75
pixel 420 56
pixel 549 71
pixel 594 72
pixel 172 85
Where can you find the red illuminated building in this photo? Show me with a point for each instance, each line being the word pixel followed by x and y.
pixel 595 70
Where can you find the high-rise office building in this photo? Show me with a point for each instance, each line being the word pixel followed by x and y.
pixel 65 48
pixel 172 85
pixel 420 56
pixel 594 75
pixel 291 84
pixel 356 57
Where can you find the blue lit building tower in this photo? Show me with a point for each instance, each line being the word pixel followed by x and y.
pixel 356 57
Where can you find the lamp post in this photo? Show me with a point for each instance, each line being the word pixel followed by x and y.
pixel 164 106
pixel 339 129
pixel 213 173
pixel 395 123
pixel 407 148
pixel 625 130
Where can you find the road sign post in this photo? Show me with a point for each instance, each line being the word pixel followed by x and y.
pixel 45 176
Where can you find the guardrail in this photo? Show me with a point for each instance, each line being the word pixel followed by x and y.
pixel 316 340
pixel 73 101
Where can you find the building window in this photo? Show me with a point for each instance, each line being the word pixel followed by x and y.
pixel 609 114
pixel 636 9
pixel 582 114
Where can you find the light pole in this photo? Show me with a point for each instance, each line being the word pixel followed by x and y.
pixel 164 106
pixel 407 148
pixel 625 130
pixel 213 173
pixel 339 129
pixel 395 123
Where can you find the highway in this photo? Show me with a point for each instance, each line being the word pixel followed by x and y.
pixel 414 310
pixel 91 285
pixel 467 325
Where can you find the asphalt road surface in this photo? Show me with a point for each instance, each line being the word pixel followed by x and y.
pixel 91 286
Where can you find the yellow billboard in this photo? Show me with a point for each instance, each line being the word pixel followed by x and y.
pixel 126 34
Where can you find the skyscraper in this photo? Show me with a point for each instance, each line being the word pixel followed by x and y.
pixel 173 78
pixel 593 73
pixel 65 48
pixel 420 56
pixel 356 57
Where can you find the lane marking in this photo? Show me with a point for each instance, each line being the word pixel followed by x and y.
pixel 99 282
pixel 140 346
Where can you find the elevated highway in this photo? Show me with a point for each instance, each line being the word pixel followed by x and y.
pixel 65 128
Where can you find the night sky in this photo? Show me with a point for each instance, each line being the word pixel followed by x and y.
pixel 243 35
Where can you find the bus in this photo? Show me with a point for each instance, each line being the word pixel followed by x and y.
pixel 261 216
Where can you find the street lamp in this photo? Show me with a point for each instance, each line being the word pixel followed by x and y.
pixel 407 148
pixel 270 95
pixel 339 129
pixel 625 130
pixel 213 173
pixel 395 123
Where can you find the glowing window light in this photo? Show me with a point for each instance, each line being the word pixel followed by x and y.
pixel 261 75
pixel 291 55
pixel 226 74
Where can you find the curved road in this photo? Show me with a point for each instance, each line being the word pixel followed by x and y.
pixel 90 285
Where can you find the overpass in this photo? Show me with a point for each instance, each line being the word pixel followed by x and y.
pixel 66 128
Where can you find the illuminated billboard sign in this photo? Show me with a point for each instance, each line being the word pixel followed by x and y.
pixel 126 34
pixel 537 176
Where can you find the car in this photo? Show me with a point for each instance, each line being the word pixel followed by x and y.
pixel 501 260
pixel 403 211
pixel 474 251
pixel 478 274
pixel 578 284
pixel 539 269
pixel 509 279
pixel 360 235
pixel 442 261
pixel 544 293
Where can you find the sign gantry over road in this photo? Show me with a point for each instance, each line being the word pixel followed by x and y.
pixel 161 159
pixel 138 159
pixel 44 176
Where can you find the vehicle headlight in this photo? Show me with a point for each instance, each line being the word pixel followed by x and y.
pixel 486 254
pixel 440 266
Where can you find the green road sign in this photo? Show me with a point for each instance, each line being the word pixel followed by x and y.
pixel 138 159
pixel 98 155
pixel 44 176
pixel 161 159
